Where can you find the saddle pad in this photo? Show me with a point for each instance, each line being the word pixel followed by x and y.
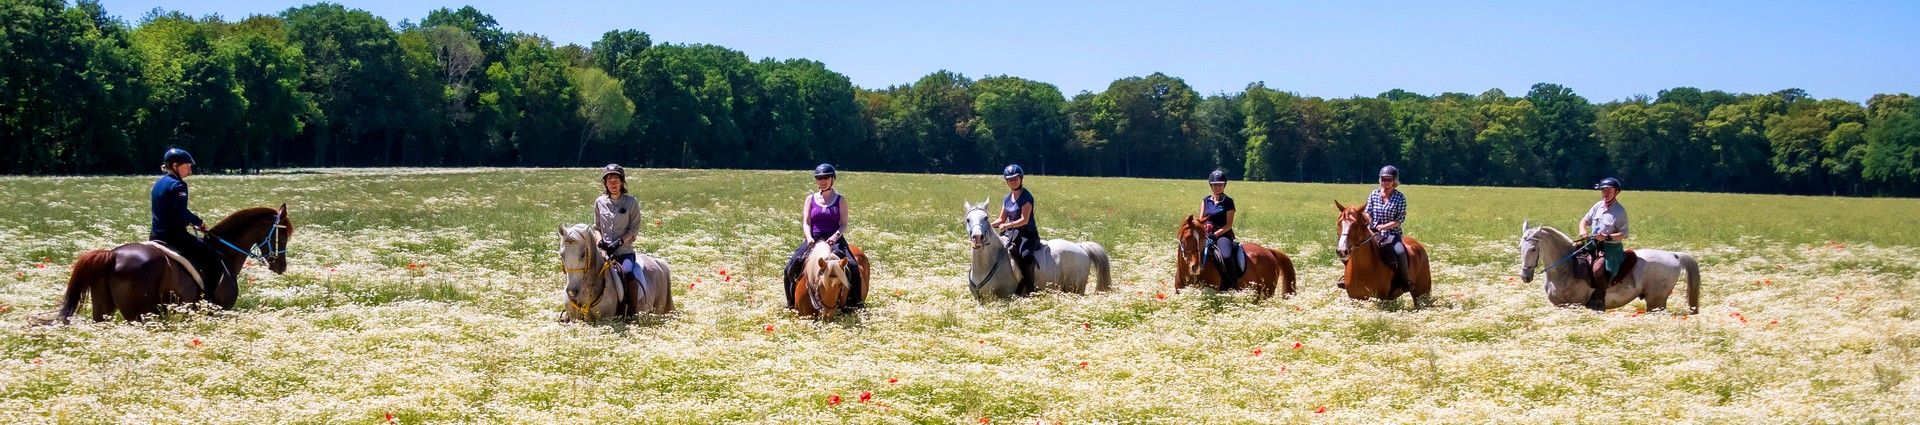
pixel 175 255
pixel 1626 266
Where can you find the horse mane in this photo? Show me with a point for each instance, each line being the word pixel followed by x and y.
pixel 241 220
pixel 1562 236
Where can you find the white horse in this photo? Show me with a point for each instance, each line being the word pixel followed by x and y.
pixel 1062 265
pixel 1653 279
pixel 594 291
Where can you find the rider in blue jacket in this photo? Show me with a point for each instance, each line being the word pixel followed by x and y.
pixel 171 218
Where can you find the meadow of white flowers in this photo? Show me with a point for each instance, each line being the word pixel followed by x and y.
pixel 429 296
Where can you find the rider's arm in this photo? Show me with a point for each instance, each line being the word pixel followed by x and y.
pixel 806 229
pixel 180 202
pixel 633 225
pixel 1224 229
pixel 843 220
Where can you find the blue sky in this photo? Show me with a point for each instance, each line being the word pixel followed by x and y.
pixel 1603 50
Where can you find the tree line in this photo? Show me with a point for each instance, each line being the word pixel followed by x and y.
pixel 324 85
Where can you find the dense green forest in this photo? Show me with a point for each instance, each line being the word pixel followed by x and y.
pixel 86 92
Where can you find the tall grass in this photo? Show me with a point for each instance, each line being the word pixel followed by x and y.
pixel 1808 315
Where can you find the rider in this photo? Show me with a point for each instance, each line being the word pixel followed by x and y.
pixel 1016 224
pixel 171 218
pixel 1605 227
pixel 1387 210
pixel 1218 211
pixel 616 215
pixel 823 219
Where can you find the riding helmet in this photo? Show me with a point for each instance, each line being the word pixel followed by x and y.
pixel 1217 177
pixel 177 156
pixel 613 169
pixel 1013 171
pixel 1608 182
pixel 823 170
pixel 1390 171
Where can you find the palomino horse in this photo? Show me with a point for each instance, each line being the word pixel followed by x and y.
pixel 822 288
pixel 594 292
pixel 1653 279
pixel 1367 275
pixel 1266 267
pixel 138 279
pixel 1063 265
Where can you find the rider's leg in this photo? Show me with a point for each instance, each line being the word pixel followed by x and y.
pixel 1024 250
pixel 1224 257
pixel 631 281
pixel 856 297
pixel 1598 279
pixel 794 267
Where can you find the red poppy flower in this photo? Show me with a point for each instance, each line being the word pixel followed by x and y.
pixel 1086 326
pixel 1083 364
pixel 195 342
pixel 768 328
pixel 833 400
pixel 390 418
pixel 1160 295
pixel 727 278
pixel 37 360
pixel 1321 409
pixel 891 381
pixel 866 396
pixel 1296 345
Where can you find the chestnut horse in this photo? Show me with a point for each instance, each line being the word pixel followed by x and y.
pixel 1367 275
pixel 138 279
pixel 1266 267
pixel 822 288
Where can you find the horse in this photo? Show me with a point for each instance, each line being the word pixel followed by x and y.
pixel 1063 265
pixel 822 289
pixel 137 279
pixel 1367 275
pixel 594 292
pixel 1266 267
pixel 1653 279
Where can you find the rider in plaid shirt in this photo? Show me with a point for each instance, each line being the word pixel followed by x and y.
pixel 1387 210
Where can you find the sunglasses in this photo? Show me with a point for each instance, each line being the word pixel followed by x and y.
pixel 1386 180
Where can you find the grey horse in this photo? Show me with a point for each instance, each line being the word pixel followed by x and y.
pixel 1654 279
pixel 1063 265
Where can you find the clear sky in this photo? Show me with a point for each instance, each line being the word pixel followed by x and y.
pixel 1604 50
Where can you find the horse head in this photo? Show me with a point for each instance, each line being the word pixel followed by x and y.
pixel 1353 227
pixel 1192 242
pixel 978 231
pixel 259 233
pixel 580 264
pixel 827 285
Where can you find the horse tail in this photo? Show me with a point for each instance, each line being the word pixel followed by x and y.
pixel 1100 262
pixel 1286 273
pixel 91 267
pixel 1693 282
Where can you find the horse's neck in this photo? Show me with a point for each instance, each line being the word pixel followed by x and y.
pixel 992 252
pixel 1553 247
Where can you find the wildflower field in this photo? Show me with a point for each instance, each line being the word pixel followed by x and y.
pixel 430 296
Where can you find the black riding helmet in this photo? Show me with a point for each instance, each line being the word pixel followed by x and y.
pixel 614 170
pixel 1390 171
pixel 823 170
pixel 1217 177
pixel 1012 171
pixel 177 156
pixel 1607 182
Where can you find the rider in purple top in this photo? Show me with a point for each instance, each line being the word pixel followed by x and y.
pixel 824 219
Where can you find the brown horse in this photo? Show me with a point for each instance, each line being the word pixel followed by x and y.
pixel 1266 267
pixel 1367 275
pixel 822 288
pixel 137 279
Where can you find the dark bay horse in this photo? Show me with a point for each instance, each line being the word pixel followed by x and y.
pixel 137 279
pixel 1267 268
pixel 1367 275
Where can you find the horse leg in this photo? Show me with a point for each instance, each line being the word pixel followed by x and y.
pixel 103 307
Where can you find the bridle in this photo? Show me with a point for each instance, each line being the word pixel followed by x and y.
pixel 977 233
pixel 268 248
pixel 585 311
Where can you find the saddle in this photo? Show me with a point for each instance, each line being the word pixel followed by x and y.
pixel 177 258
pixel 1592 265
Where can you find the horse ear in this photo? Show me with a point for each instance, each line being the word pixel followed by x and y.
pixel 561 230
pixel 1523 225
pixel 1338 207
pixel 823 263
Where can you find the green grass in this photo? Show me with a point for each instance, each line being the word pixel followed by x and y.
pixel 351 334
